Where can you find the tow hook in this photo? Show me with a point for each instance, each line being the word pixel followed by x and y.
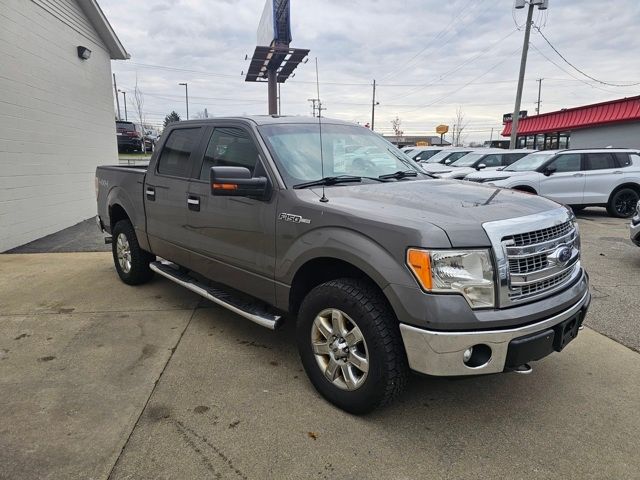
pixel 524 369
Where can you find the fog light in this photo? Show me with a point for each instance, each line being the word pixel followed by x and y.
pixel 467 354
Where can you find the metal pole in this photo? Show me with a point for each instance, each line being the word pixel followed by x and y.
pixel 523 66
pixel 124 95
pixel 186 96
pixel 491 137
pixel 272 76
pixel 279 100
pixel 115 89
pixel 539 93
pixel 373 107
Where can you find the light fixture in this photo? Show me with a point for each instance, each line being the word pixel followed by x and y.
pixel 83 52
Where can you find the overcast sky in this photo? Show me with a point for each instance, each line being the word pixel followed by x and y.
pixel 428 57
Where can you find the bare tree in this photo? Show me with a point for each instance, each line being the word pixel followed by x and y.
pixel 396 123
pixel 138 105
pixel 201 114
pixel 459 124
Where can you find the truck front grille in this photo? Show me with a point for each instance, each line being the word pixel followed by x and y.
pixel 540 261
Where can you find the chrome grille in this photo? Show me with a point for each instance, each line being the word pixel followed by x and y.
pixel 533 258
pixel 539 236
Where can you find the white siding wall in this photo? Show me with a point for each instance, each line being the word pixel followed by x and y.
pixel 624 135
pixel 56 118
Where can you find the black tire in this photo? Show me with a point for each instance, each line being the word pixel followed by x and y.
pixel 138 272
pixel 622 203
pixel 388 368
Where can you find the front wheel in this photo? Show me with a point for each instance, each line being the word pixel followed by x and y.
pixel 131 261
pixel 350 345
pixel 622 203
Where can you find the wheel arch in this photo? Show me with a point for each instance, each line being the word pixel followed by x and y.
pixel 525 188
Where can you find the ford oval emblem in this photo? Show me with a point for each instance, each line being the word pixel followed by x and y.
pixel 563 254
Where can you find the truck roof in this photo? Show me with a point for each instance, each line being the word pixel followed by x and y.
pixel 268 119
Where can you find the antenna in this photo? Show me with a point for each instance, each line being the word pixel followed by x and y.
pixel 324 199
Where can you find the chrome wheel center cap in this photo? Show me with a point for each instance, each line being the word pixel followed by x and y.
pixel 340 348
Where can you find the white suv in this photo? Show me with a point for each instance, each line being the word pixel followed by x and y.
pixel 606 177
pixel 482 160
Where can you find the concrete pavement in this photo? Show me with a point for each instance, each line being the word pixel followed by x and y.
pixel 100 380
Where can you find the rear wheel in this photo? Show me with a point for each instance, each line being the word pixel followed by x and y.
pixel 622 203
pixel 131 261
pixel 350 345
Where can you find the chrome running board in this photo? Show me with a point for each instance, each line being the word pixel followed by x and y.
pixel 253 310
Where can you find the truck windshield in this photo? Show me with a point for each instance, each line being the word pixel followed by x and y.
pixel 346 150
pixel 530 162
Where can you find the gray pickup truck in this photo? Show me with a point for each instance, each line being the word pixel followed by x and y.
pixel 384 268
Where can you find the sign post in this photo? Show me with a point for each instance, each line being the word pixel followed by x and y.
pixel 441 130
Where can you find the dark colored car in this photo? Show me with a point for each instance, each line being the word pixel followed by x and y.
pixel 130 137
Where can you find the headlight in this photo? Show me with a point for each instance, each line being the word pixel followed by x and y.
pixel 492 179
pixel 467 272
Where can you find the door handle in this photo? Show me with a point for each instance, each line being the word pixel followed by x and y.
pixel 193 202
pixel 150 193
pixel 618 172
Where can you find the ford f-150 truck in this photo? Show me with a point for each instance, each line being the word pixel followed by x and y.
pixel 384 268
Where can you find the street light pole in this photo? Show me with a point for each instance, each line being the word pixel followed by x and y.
pixel 373 107
pixel 186 96
pixel 124 96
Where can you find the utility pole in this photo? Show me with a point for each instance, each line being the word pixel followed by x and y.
pixel 542 5
pixel 320 108
pixel 491 138
pixel 186 95
pixel 279 101
pixel 539 92
pixel 373 107
pixel 313 105
pixel 115 89
pixel 124 96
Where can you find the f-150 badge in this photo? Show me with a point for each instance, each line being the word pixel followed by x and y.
pixel 288 217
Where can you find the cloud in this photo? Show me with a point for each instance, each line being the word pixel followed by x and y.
pixel 428 57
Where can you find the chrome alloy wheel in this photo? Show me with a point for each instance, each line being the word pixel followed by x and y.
pixel 123 252
pixel 340 349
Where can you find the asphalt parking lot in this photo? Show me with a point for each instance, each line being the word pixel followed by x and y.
pixel 102 380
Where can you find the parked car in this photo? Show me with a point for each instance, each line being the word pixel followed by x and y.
pixel 482 160
pixel 605 177
pixel 441 160
pixel 421 154
pixel 130 136
pixel 249 213
pixel 150 139
pixel 634 227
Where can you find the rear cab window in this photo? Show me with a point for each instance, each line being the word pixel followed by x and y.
pixel 175 157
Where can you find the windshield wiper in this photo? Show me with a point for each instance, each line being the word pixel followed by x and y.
pixel 329 181
pixel 399 174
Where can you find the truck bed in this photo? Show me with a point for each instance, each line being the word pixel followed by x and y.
pixel 127 182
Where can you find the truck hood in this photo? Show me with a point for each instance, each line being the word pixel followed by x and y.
pixel 459 208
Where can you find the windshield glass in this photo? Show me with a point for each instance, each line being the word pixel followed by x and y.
pixel 530 162
pixel 469 160
pixel 296 151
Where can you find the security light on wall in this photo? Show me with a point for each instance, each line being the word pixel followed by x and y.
pixel 84 53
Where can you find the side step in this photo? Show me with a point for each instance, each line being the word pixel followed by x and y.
pixel 251 310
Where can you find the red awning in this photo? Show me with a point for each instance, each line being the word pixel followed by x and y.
pixel 616 111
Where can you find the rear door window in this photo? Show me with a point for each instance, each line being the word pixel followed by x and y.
pixel 175 158
pixel 229 147
pixel 600 161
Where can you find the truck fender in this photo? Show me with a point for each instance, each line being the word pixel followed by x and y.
pixel 119 196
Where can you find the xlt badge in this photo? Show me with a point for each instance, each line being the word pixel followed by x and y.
pixel 288 217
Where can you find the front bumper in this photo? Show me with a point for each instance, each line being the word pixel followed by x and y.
pixel 440 353
pixel 634 230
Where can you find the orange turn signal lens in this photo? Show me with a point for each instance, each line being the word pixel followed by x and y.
pixel 225 186
pixel 419 261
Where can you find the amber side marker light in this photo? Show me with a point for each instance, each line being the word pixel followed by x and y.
pixel 419 261
pixel 225 186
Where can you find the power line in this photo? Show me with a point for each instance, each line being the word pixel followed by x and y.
pixel 577 69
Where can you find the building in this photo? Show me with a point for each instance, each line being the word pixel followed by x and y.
pixel 425 140
pixel 57 120
pixel 615 123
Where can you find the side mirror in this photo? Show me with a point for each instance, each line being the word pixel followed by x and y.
pixel 447 161
pixel 481 166
pixel 237 182
pixel 547 172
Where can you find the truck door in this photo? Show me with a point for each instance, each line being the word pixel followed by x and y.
pixel 566 183
pixel 165 192
pixel 232 238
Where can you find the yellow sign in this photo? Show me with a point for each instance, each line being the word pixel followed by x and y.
pixel 422 143
pixel 442 129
